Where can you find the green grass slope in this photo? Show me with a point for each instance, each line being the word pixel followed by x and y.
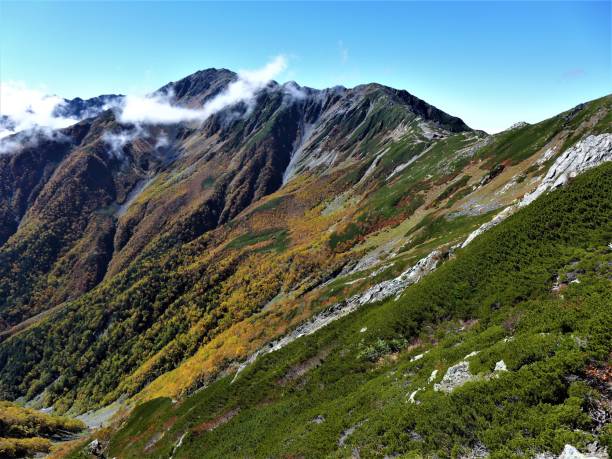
pixel 350 388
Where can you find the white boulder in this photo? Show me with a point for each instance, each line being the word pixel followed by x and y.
pixel 570 452
pixel 500 366
pixel 455 376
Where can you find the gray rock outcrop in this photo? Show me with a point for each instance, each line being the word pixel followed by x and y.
pixel 570 452
pixel 455 376
pixel 585 154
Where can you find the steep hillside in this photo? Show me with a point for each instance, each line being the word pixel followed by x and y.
pixel 502 351
pixel 76 188
pixel 141 261
pixel 102 212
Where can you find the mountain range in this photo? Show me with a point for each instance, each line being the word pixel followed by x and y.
pixel 309 273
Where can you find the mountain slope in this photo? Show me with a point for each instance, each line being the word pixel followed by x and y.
pixel 208 175
pixel 152 261
pixel 147 202
pixel 359 384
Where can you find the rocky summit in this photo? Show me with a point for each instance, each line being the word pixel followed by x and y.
pixel 345 272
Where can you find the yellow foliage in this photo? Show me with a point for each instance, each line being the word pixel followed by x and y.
pixel 20 447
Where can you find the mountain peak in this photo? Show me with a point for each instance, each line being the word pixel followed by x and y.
pixel 199 86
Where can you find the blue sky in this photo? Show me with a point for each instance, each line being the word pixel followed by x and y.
pixel 491 63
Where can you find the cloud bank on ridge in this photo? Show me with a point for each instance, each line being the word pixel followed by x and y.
pixel 23 109
pixel 158 109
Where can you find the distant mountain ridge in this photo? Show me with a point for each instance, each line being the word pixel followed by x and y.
pixel 78 108
pixel 82 156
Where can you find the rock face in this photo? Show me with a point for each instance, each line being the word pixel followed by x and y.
pixel 587 153
pixel 478 451
pixel 498 169
pixel 80 109
pixel 397 285
pixel 500 217
pixel 455 376
pixel 178 444
pixel 418 356
pixel 517 125
pixel 95 448
pixel 569 452
pixel 348 432
pixel 411 398
pixel 318 419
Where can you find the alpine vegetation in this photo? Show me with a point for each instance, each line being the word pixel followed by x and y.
pixel 234 265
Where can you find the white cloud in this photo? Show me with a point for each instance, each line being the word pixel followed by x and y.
pixel 158 109
pixel 245 87
pixel 162 141
pixel 28 108
pixel 30 138
pixel 155 109
pixel 118 140
pixel 293 91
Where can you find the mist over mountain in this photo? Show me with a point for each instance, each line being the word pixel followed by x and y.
pixel 234 267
